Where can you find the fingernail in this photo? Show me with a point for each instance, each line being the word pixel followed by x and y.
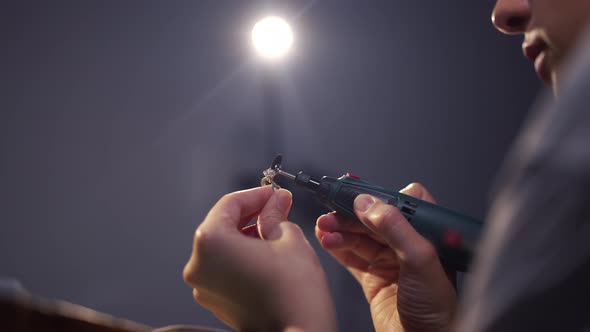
pixel 363 202
pixel 283 200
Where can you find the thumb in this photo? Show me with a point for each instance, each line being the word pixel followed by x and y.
pixel 388 222
pixel 275 211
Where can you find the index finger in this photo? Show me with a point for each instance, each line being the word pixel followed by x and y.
pixel 235 210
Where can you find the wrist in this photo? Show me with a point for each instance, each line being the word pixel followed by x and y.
pixel 310 311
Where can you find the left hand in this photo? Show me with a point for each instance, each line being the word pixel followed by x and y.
pixel 261 278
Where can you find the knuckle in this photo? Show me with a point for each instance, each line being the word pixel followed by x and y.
pixel 208 242
pixel 204 240
pixel 188 273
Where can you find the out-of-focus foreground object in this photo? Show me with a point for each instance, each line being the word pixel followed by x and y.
pixel 22 311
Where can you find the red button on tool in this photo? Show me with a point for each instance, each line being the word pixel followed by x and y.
pixel 452 239
pixel 350 175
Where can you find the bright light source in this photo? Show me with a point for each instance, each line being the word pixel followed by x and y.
pixel 272 37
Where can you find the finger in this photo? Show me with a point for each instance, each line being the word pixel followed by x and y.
pixel 274 212
pixel 377 256
pixel 351 259
pixel 387 221
pixel 354 263
pixel 419 191
pixel 206 298
pixel 334 222
pixel 362 245
pixel 235 210
pixel 383 265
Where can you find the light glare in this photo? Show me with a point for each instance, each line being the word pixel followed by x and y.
pixel 272 37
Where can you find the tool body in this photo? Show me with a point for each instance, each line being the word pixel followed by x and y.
pixel 453 235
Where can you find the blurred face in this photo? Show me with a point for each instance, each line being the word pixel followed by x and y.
pixel 550 29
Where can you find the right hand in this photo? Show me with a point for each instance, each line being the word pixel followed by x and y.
pixel 399 270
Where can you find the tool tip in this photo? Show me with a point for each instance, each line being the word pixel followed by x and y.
pixel 276 163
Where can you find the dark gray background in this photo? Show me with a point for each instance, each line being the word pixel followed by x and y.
pixel 122 122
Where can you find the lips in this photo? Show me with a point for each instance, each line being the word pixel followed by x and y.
pixel 536 51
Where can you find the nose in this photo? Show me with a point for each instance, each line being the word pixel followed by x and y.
pixel 511 16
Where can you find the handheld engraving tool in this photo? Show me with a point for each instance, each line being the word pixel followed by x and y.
pixel 453 235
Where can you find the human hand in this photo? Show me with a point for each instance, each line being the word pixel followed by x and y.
pixel 264 277
pixel 398 269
